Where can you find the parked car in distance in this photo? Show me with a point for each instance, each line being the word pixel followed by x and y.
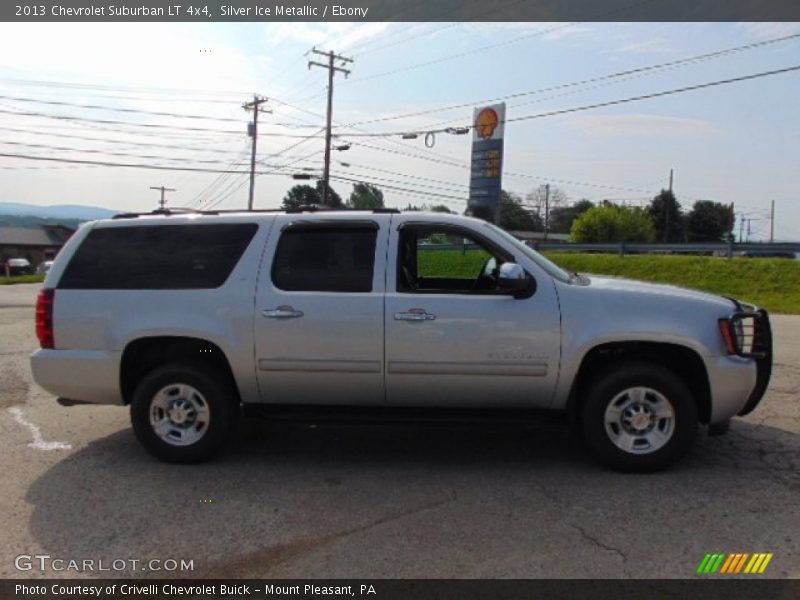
pixel 44 267
pixel 187 318
pixel 18 266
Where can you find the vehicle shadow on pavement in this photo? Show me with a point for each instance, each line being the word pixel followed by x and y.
pixel 385 500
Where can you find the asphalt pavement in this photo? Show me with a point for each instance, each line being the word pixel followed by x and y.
pixel 385 501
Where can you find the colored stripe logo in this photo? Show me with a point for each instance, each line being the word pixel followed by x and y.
pixel 734 563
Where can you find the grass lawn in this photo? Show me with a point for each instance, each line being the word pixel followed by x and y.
pixel 772 283
pixel 21 279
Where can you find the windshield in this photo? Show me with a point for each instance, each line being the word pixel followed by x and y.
pixel 546 264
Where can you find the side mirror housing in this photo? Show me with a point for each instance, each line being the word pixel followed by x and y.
pixel 513 280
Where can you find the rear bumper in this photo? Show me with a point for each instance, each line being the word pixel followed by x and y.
pixel 90 376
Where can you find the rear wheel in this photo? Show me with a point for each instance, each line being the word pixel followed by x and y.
pixel 639 417
pixel 184 414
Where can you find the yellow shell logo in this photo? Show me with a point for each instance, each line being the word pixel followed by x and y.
pixel 486 122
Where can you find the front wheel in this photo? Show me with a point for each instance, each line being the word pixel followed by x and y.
pixel 639 417
pixel 182 414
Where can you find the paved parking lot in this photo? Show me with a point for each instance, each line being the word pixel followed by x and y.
pixel 388 501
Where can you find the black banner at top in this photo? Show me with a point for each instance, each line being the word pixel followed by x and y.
pixel 400 10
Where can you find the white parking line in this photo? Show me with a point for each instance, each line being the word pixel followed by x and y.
pixel 38 441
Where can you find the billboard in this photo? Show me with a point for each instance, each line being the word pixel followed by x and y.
pixel 486 173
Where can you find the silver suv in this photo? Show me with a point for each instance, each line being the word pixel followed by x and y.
pixel 188 318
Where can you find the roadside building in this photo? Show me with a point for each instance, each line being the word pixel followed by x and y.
pixel 37 244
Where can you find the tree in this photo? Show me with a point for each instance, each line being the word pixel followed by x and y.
pixel 708 222
pixel 440 208
pixel 334 200
pixel 562 217
pixel 514 216
pixel 612 223
pixel 301 195
pixel 546 204
pixel 667 217
pixel 365 197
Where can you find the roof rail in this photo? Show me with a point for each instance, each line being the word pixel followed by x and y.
pixel 295 210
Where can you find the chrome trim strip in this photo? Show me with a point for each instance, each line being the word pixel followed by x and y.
pixel 402 367
pixel 318 365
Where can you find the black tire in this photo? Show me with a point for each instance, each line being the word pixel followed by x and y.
pixel 217 395
pixel 606 386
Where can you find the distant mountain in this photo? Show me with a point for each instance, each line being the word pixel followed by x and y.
pixel 57 211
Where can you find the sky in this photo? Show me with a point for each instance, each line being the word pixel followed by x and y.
pixel 736 143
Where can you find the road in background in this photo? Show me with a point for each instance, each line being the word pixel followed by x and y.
pixel 387 501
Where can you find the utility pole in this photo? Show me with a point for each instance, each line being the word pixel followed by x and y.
pixel 162 203
pixel 666 207
pixel 252 131
pixel 546 210
pixel 772 222
pixel 332 57
pixel 741 228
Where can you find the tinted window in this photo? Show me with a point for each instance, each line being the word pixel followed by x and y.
pixel 163 257
pixel 329 259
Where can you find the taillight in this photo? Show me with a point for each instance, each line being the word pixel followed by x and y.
pixel 44 318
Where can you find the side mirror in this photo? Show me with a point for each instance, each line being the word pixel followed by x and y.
pixel 513 279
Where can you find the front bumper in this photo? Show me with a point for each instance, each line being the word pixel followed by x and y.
pixel 763 363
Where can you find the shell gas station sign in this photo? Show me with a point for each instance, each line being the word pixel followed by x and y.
pixel 488 127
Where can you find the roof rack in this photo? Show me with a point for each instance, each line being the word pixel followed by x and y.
pixel 300 209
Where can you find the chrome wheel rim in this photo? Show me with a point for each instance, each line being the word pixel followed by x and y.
pixel 640 420
pixel 179 414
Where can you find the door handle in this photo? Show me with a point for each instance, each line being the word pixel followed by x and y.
pixel 414 314
pixel 282 312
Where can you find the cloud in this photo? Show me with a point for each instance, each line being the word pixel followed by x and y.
pixel 548 31
pixel 346 35
pixel 120 54
pixel 642 125
pixel 763 31
pixel 655 45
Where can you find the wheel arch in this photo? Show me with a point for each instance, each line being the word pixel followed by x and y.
pixel 685 362
pixel 142 355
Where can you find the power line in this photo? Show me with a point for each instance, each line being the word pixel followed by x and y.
pixel 137 89
pixel 592 106
pixel 611 76
pixel 108 152
pixel 145 125
pixel 127 165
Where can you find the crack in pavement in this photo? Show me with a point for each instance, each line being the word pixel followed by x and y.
pixel 595 541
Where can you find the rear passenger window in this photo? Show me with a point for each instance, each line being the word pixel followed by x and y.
pixel 157 257
pixel 312 258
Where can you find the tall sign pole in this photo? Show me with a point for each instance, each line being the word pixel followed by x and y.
pixel 486 173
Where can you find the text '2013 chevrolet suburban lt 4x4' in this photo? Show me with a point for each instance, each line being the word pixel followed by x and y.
pixel 189 317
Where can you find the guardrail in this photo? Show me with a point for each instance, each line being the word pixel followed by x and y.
pixel 717 248
pixel 622 248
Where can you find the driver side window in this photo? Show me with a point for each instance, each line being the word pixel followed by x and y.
pixel 446 260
